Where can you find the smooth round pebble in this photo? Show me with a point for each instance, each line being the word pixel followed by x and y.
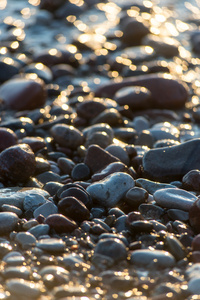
pixel 60 223
pixel 24 288
pixel 25 239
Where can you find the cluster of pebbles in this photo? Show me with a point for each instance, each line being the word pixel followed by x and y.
pixel 99 150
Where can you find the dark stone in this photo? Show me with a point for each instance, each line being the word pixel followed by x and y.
pixel 89 109
pixel 191 180
pixel 60 223
pixel 79 193
pixel 73 208
pixel 110 169
pixel 166 92
pixel 7 138
pixel 80 172
pixel 17 163
pixel 171 163
pixel 97 158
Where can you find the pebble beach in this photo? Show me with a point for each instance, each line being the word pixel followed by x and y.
pixel 99 150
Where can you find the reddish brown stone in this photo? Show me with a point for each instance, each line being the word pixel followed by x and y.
pixel 7 138
pixel 60 223
pixel 17 163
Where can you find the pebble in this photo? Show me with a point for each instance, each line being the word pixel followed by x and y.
pixel 157 259
pixel 60 223
pixel 79 193
pixel 8 138
pixel 174 198
pixel 25 239
pixel 24 288
pixel 150 186
pixel 17 163
pixel 73 208
pixel 67 136
pixel 32 91
pixel 8 222
pixel 111 247
pixel 151 211
pixel 80 172
pixel 119 152
pixel 194 215
pixel 12 208
pixel 66 165
pixel 191 180
pixel 174 93
pixel 51 245
pixel 135 97
pixel 109 191
pixel 136 196
pixel 39 230
pixel 45 210
pixel 168 163
pixel 33 201
pixel 89 109
pixel 104 158
pixel 110 169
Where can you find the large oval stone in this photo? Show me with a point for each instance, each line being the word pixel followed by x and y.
pixel 23 94
pixel 109 191
pixel 166 92
pixel 171 163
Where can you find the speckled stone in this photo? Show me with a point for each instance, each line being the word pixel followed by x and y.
pixel 109 191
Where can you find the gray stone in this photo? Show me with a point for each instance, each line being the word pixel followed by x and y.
pixel 146 258
pixel 51 245
pixel 46 209
pixel 8 222
pixel 171 163
pixel 33 201
pixel 25 239
pixel 174 198
pixel 109 191
pixel 39 230
pixel 111 247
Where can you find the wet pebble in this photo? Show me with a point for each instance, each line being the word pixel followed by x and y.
pixel 109 191
pixel 25 239
pixel 136 196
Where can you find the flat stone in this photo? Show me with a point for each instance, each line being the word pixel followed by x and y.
pixel 51 245
pixel 24 288
pixel 158 259
pixel 45 209
pixel 8 222
pixel 109 191
pixel 174 198
pixel 169 163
